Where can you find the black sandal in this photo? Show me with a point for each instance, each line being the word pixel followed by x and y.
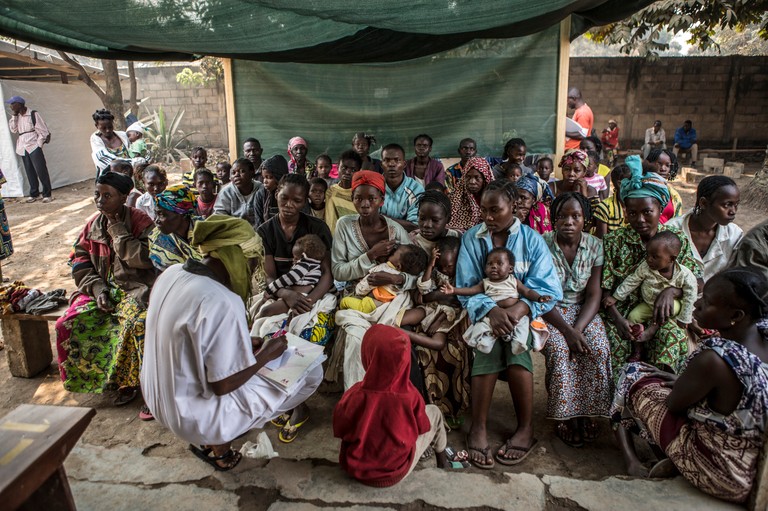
pixel 567 434
pixel 205 454
pixel 125 395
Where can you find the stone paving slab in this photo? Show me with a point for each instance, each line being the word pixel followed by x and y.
pixel 174 497
pixel 295 506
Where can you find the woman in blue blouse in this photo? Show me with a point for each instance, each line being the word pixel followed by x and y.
pixel 533 266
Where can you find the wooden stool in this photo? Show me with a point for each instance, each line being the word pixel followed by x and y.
pixel 34 442
pixel 27 341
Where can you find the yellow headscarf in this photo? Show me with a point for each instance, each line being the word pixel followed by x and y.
pixel 233 242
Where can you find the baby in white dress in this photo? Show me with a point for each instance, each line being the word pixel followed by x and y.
pixel 505 289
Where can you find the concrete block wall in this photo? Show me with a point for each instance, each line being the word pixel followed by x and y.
pixel 725 97
pixel 204 107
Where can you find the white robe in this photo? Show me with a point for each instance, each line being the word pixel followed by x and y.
pixel 196 333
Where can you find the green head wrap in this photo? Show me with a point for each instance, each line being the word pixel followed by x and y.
pixel 232 241
pixel 640 186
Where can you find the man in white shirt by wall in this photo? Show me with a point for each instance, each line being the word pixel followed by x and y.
pixel 33 133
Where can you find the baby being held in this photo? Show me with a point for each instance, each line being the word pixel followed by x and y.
pixel 409 259
pixel 659 271
pixel 501 286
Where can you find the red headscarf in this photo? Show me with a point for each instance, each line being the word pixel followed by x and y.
pixel 379 418
pixel 465 210
pixel 370 178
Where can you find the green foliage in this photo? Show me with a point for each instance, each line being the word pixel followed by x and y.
pixel 165 140
pixel 211 71
pixel 642 32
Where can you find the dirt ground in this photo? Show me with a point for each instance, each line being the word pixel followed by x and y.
pixel 43 235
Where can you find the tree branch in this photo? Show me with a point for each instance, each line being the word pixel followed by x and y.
pixel 133 101
pixel 84 76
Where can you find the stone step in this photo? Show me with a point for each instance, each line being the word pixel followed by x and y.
pixel 694 178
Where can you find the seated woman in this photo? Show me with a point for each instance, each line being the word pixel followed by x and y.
pixel 644 196
pixel 465 198
pixel 531 209
pixel 239 199
pixel 422 167
pixel 709 421
pixel 200 364
pixel 578 352
pixel 664 163
pixel 100 338
pixel 175 219
pixel 107 144
pixel 709 225
pixel 297 152
pixel 362 241
pixel 534 267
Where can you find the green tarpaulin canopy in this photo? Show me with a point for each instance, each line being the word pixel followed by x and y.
pixel 310 31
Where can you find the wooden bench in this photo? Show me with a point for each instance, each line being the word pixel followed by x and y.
pixel 27 342
pixel 34 442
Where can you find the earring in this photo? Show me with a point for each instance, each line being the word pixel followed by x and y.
pixel 733 323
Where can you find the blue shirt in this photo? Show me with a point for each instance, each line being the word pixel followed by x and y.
pixel 683 139
pixel 401 204
pixel 533 267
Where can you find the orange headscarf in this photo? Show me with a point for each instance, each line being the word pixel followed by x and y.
pixel 370 178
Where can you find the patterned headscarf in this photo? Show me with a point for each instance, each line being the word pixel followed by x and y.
pixel 531 184
pixel 572 156
pixel 232 241
pixel 177 199
pixel 370 178
pixel 640 186
pixel 465 209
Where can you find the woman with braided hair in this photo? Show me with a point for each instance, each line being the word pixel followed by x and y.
pixel 709 420
pixel 709 225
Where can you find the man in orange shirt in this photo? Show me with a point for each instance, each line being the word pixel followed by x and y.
pixel 583 115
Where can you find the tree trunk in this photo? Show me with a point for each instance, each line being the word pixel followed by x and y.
pixel 113 100
pixel 756 194
pixel 133 101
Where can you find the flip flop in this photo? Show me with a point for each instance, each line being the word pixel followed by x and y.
pixel 291 429
pixel 591 431
pixel 560 430
pixel 515 461
pixel 145 414
pixel 281 420
pixel 664 469
pixel 204 453
pixel 485 451
pixel 125 396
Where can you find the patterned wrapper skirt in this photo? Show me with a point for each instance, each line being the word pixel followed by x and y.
pixel 582 387
pixel 100 351
pixel 716 463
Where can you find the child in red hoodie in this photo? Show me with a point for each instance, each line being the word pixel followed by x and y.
pixel 382 421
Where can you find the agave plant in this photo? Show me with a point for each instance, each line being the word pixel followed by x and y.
pixel 166 140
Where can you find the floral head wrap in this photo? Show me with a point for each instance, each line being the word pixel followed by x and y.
pixel 465 210
pixel 572 156
pixel 177 199
pixel 531 184
pixel 370 178
pixel 640 186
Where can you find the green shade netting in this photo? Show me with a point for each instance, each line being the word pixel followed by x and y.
pixel 317 31
pixel 490 90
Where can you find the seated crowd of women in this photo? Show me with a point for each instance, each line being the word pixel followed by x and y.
pixel 463 271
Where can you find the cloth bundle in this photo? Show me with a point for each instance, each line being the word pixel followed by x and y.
pixel 18 297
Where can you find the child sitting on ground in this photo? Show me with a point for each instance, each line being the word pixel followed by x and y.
pixel 206 197
pixel 501 286
pixel 594 179
pixel 323 167
pixel 308 252
pixel 382 421
pixel 155 181
pixel 435 318
pixel 318 187
pixel 199 159
pixel 409 259
pixel 138 146
pixel 659 271
pixel 223 170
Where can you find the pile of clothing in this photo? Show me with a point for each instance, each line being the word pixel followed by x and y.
pixel 18 297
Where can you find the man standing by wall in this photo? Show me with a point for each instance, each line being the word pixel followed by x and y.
pixel 33 133
pixel 655 138
pixel 685 140
pixel 583 115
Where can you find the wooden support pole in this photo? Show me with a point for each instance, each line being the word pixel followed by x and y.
pixel 229 96
pixel 563 69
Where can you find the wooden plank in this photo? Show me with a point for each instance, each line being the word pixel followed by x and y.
pixel 31 457
pixel 52 315
pixel 562 91
pixel 229 98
